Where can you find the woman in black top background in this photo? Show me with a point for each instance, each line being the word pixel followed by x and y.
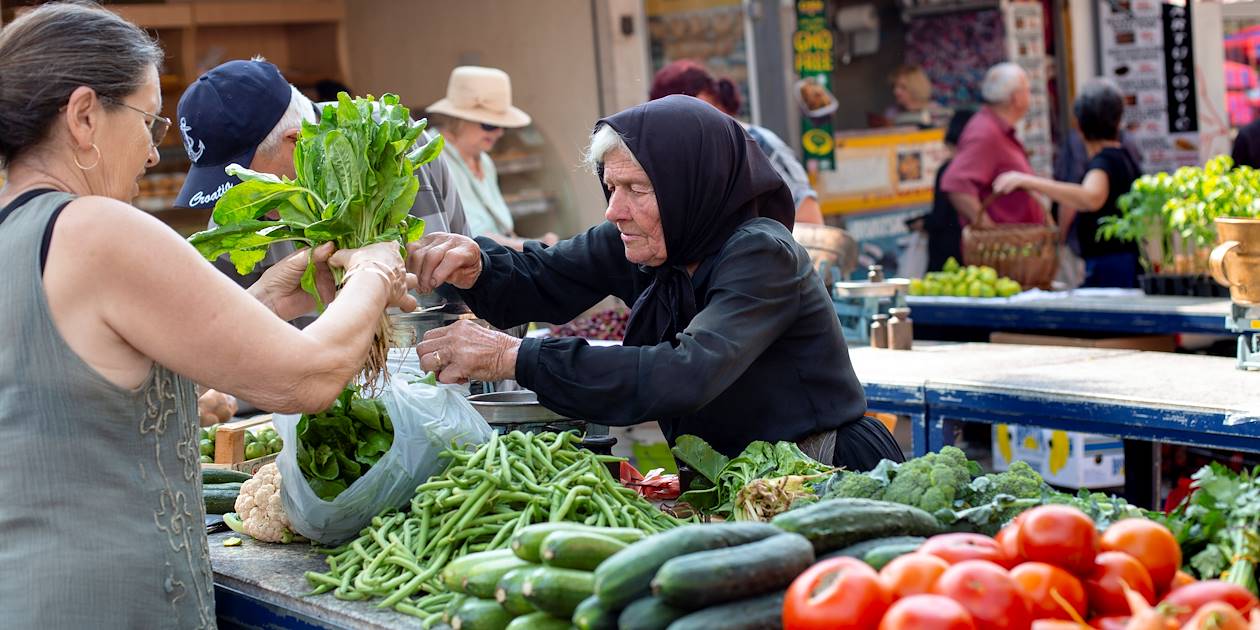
pixel 732 337
pixel 1109 174
pixel 942 225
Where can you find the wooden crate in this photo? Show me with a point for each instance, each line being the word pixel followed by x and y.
pixel 229 445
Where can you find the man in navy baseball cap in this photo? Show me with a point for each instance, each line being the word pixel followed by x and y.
pixel 224 117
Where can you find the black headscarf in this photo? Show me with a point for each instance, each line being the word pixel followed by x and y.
pixel 710 177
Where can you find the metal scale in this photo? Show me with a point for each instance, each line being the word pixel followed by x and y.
pixel 857 302
pixel 1244 319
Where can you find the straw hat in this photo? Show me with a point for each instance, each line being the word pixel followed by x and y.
pixel 482 95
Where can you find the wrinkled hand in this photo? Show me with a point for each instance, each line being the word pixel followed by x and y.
pixel 385 258
pixel 280 287
pixel 1009 182
pixel 215 407
pixel 464 351
pixel 441 258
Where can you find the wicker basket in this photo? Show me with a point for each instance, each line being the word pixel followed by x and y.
pixel 829 248
pixel 1026 253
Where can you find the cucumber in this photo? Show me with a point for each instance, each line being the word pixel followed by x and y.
pixel 455 572
pixel 837 523
pixel 578 550
pixel 649 613
pixel 526 543
pixel 712 577
pixel 220 498
pixel 539 621
pixel 452 606
pixel 758 613
pixel 627 575
pixel 593 615
pixel 508 591
pixel 482 579
pixel 557 591
pixel 879 551
pixel 480 614
pixel 223 475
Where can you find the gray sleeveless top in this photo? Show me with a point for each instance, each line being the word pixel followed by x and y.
pixel 101 517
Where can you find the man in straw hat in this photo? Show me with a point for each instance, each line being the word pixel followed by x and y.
pixel 472 116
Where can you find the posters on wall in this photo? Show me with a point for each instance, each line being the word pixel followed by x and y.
pixel 1147 50
pixel 812 47
pixel 711 31
pixel 1026 46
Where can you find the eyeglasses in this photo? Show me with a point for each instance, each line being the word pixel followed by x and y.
pixel 489 127
pixel 158 126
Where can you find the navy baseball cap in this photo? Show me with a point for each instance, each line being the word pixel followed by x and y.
pixel 222 117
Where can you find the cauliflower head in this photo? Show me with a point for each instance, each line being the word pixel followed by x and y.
pixel 259 508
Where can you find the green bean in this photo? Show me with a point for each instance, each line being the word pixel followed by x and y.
pixel 466 533
pixel 492 452
pixel 432 486
pixel 319 579
pixel 568 502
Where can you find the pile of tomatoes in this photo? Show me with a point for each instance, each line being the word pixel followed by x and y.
pixel 1048 569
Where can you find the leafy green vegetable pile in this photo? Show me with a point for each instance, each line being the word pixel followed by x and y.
pixel 340 444
pixel 355 186
pixel 958 493
pixel 1218 525
pixel 762 481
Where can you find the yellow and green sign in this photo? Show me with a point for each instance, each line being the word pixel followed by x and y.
pixel 813 45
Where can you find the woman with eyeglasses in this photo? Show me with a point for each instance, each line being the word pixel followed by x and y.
pixel 472 117
pixel 109 318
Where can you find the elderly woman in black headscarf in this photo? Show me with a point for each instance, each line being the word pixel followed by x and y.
pixel 732 336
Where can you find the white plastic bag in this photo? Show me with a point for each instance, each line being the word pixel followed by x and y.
pixel 913 261
pixel 426 419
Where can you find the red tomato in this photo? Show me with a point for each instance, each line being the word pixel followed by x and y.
pixel 989 593
pixel 1149 543
pixel 1008 541
pixel 1190 598
pixel 912 574
pixel 927 612
pixel 1039 580
pixel 1182 579
pixel 1111 568
pixel 854 599
pixel 955 548
pixel 1060 535
pixel 1110 623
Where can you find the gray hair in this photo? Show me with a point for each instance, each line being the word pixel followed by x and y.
pixel 47 54
pixel 300 109
pixel 605 140
pixel 1000 83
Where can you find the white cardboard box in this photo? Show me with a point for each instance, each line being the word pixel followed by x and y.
pixel 1063 458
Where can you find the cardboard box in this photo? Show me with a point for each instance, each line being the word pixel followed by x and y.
pixel 1064 458
pixel 1151 343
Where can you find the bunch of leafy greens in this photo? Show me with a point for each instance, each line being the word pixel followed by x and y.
pixel 762 481
pixel 340 444
pixel 1218 525
pixel 1173 214
pixel 355 186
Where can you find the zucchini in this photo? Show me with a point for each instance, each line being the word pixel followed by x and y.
pixel 482 579
pixel 578 550
pixel 508 591
pixel 759 613
pixel 712 577
pixel 220 498
pixel 452 606
pixel 837 523
pixel 557 591
pixel 591 614
pixel 627 575
pixel 649 613
pixel 539 621
pixel 878 552
pixel 454 573
pixel 223 475
pixel 480 614
pixel 527 542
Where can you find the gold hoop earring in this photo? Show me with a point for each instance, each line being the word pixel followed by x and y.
pixel 98 159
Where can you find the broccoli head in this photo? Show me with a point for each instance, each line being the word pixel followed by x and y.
pixel 931 482
pixel 1019 481
pixel 855 485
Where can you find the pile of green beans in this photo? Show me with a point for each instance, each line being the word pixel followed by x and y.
pixel 476 504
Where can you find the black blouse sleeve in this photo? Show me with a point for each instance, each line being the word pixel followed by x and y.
pixel 550 284
pixel 753 298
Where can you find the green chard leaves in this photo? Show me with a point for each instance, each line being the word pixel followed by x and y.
pixel 355 186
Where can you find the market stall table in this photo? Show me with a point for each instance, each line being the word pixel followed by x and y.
pixel 1114 311
pixel 260 585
